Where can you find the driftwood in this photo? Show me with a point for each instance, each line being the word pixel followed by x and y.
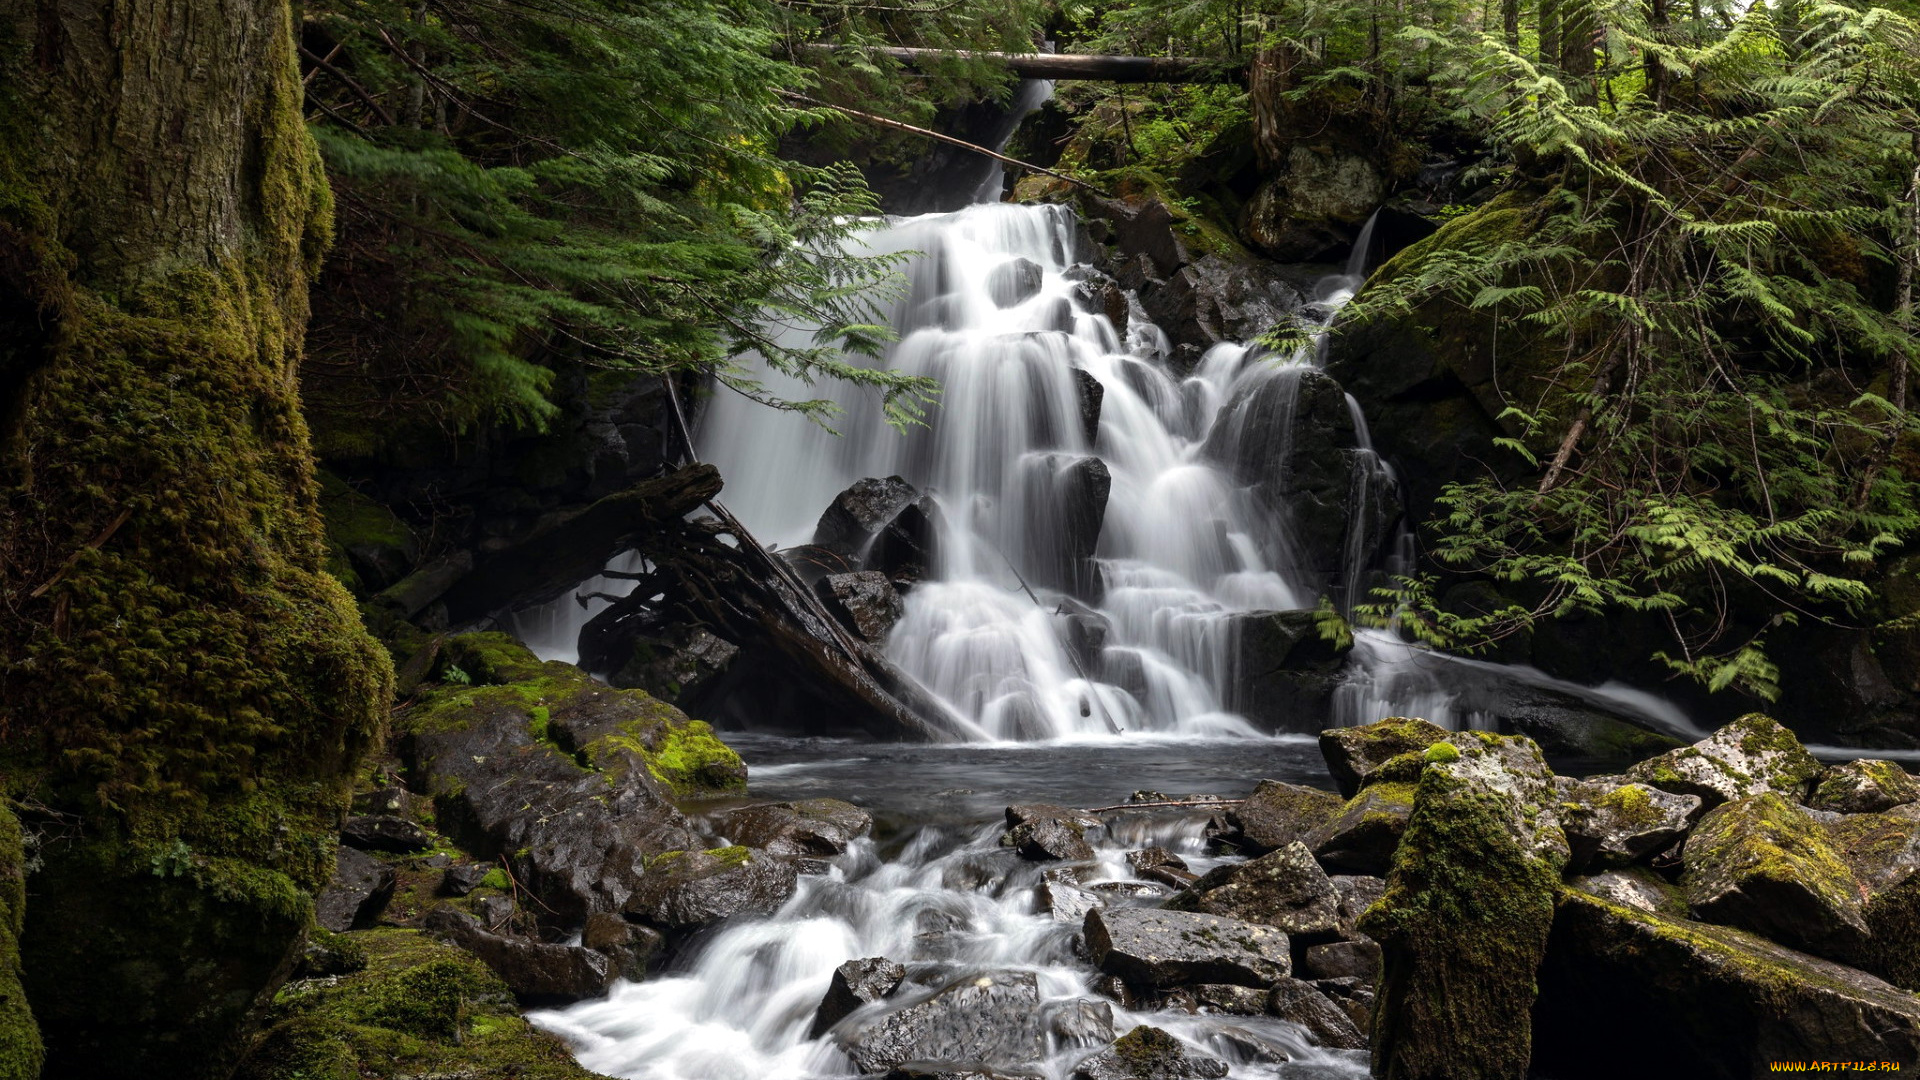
pixel 1057 66
pixel 1189 803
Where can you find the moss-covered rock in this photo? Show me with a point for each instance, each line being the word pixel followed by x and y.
pixel 1273 816
pixel 1354 754
pixel 1883 852
pixel 1864 786
pixel 1610 823
pixel 21 1053
pixel 1749 756
pixel 1764 865
pixel 687 889
pixel 1469 904
pixel 1363 836
pixel 418 1008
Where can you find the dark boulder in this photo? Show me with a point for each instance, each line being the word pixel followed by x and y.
pixel 1080 1023
pixel 1635 887
pixel 630 947
pixel 1325 1022
pixel 1612 823
pixel 1354 754
pixel 1092 396
pixel 1148 1053
pixel 1062 898
pixel 1864 786
pixel 1282 672
pixel 1065 503
pixel 1345 960
pixel 818 827
pixel 537 973
pixel 864 601
pixel 993 1018
pixel 684 889
pixel 856 983
pixel 1042 831
pixel 461 880
pixel 1275 815
pixel 360 888
pixel 672 665
pixel 1357 893
pixel 385 832
pixel 1229 1000
pixel 859 513
pixel 1014 282
pixel 1363 836
pixel 906 549
pixel 1883 852
pixel 390 799
pixel 1173 948
pixel 1284 888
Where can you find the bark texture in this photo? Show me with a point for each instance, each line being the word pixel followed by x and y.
pixel 183 691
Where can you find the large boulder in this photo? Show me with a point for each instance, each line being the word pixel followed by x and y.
pixel 1284 888
pixel 993 1018
pixel 809 827
pixel 390 833
pixel 1171 948
pixel 1764 865
pixel 1275 815
pixel 1282 671
pixel 1043 831
pixel 858 514
pixel 1014 282
pixel 856 983
pixel 865 601
pixel 360 887
pixel 1354 754
pixel 1312 208
pixel 1864 786
pixel 1750 756
pixel 1327 1023
pixel 1469 903
pixel 1612 823
pixel 1148 1053
pixel 685 889
pixel 1702 1000
pixel 537 972
pixel 1363 836
pixel 502 757
pixel 1883 852
pixel 1065 505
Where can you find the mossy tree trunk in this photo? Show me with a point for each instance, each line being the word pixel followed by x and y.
pixel 182 688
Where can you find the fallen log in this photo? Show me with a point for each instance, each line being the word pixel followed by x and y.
pixel 1057 66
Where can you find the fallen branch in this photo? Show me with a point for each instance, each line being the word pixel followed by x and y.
pixel 1161 805
pixel 1120 69
pixel 962 143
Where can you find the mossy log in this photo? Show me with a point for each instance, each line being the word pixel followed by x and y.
pixel 179 676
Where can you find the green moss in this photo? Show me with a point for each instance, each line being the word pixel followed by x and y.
pixel 353 520
pixel 1145 1047
pixel 1441 752
pixel 1759 841
pixel 496 879
pixel 1631 804
pixel 733 855
pixel 691 760
pixel 419 1008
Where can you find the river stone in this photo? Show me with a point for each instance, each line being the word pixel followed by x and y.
pixel 1749 756
pixel 993 1018
pixel 1358 959
pixel 1275 815
pixel 1469 903
pixel 1014 282
pixel 1611 824
pixel 361 886
pixel 905 549
pixel 1326 1023
pixel 536 972
pixel 1065 504
pixel 691 888
pixel 1883 852
pixel 1171 948
pixel 1228 999
pixel 1092 396
pixel 1147 858
pixel 385 832
pixel 1764 865
pixel 1148 1053
pixel 954 1070
pixel 461 880
pixel 1635 887
pixel 1708 1000
pixel 864 601
pixel 1062 898
pixel 630 946
pixel 1354 754
pixel 1043 831
pixel 1363 836
pixel 857 514
pixel 1864 786
pixel 816 827
pixel 1284 888
pixel 856 983
pixel 1080 1023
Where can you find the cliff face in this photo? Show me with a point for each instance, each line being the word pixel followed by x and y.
pixel 184 691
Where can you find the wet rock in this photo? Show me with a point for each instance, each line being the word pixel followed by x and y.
pixel 629 946
pixel 1148 1053
pixel 1161 866
pixel 1243 1044
pixel 1363 836
pixel 811 562
pixel 819 827
pixel 385 832
pixel 1282 673
pixel 1042 831
pixel 1230 1000
pixel 1081 1023
pixel 1065 501
pixel 391 799
pixel 1173 948
pixel 360 888
pixel 1563 724
pixel 856 983
pixel 1138 890
pixel 1747 757
pixel 1352 997
pixel 1357 892
pixel 537 973
pixel 1763 865
pixel 953 1070
pixel 1310 210
pixel 1609 823
pixel 1864 786
pixel 1711 1000
pixel 684 889
pixel 1092 396
pixel 1635 887
pixel 1883 853
pixel 1469 904
pixel 992 1018
pixel 1326 1023
pixel 1354 754
pixel 461 880
pixel 1063 899
pixel 1101 294
pixel 672 665
pixel 1014 282
pixel 864 601
pixel 905 549
pixel 1344 960
pixel 859 513
pixel 1284 888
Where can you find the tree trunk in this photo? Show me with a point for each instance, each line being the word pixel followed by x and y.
pixel 1510 23
pixel 179 678
pixel 1268 80
pixel 1549 55
pixel 1123 69
pixel 1579 29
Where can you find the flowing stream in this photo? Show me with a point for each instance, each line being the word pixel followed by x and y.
pixel 997 311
